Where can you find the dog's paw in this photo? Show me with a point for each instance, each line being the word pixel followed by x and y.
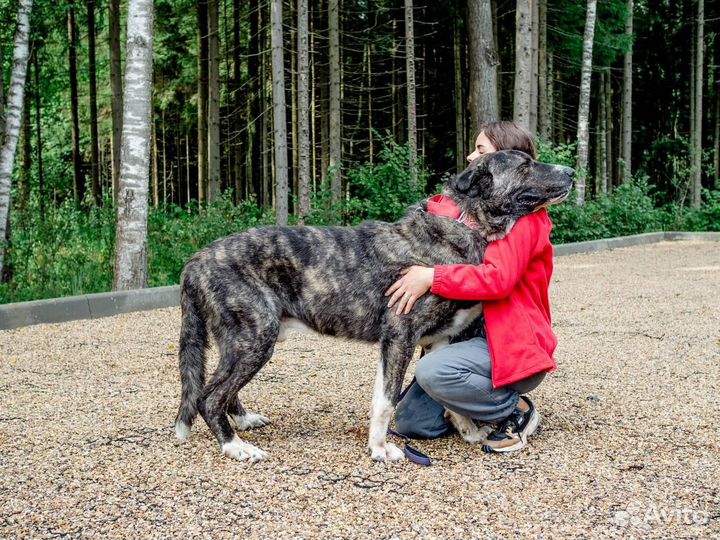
pixel 389 452
pixel 468 430
pixel 242 451
pixel 182 431
pixel 249 421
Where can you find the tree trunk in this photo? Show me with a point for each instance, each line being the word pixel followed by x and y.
pixel 253 169
pixel 2 104
pixel 15 99
pixel 213 115
pixel 523 63
pixel 410 86
pixel 335 134
pixel 41 174
pixel 203 75
pixel 696 161
pixel 238 150
pixel 627 99
pixel 116 104
pixel 483 60
pixel 25 173
pixel 544 81
pixel 279 112
pixel 94 138
pixel 303 110
pixel 601 178
pixel 535 26
pixel 371 135
pixel 583 134
pixel 609 130
pixel 78 180
pixel 155 169
pixel 716 140
pixel 130 270
pixel 460 144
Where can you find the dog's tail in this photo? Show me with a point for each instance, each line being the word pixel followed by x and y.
pixel 193 345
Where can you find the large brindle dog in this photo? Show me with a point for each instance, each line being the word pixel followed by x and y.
pixel 249 287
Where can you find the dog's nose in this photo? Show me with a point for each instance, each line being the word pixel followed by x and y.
pixel 569 171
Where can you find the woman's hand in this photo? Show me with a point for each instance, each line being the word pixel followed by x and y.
pixel 416 281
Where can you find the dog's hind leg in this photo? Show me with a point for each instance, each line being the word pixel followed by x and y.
pixel 243 419
pixel 242 354
pixel 396 353
pixel 193 342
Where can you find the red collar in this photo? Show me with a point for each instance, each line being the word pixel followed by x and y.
pixel 440 205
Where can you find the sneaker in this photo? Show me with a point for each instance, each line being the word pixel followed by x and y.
pixel 513 432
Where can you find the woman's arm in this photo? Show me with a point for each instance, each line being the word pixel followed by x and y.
pixel 504 263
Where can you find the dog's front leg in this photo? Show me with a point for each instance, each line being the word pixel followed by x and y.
pixel 393 363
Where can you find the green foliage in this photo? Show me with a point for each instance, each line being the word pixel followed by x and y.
pixel 559 154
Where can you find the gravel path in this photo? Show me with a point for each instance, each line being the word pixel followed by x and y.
pixel 629 445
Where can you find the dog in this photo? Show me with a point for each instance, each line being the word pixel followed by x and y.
pixel 248 288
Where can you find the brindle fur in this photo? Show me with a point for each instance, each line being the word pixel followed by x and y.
pixel 244 287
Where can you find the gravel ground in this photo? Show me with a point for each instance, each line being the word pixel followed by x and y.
pixel 629 446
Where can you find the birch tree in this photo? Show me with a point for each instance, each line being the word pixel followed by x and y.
pixel 130 271
pixel 583 131
pixel 15 98
pixel 696 134
pixel 303 109
pixel 523 63
pixel 483 60
pixel 411 106
pixel 335 134
pixel 626 144
pixel 279 112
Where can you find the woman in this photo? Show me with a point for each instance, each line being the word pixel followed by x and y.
pixel 483 377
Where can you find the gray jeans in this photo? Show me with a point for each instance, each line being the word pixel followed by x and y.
pixel 457 377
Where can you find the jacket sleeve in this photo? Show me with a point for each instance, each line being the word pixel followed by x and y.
pixel 504 263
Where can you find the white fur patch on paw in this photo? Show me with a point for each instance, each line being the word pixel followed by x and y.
pixel 467 429
pixel 242 451
pixel 182 431
pixel 249 420
pixel 389 452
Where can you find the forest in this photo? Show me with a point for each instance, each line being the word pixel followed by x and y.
pixel 336 111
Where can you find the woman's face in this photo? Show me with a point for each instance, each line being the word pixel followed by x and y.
pixel 482 146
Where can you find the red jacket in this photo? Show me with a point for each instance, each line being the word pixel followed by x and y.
pixel 513 284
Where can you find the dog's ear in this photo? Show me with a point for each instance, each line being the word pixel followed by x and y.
pixel 474 181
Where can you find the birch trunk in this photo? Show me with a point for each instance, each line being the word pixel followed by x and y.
pixel 534 62
pixel 335 134
pixel 303 110
pixel 279 113
pixel 130 270
pixel 601 177
pixel 626 144
pixel 483 60
pixel 213 115
pixel 584 106
pixel 116 104
pixel 523 63
pixel 696 163
pixel 15 98
pixel 410 87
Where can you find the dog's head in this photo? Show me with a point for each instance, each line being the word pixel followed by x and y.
pixel 499 188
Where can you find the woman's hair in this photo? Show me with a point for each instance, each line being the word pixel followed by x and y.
pixel 507 135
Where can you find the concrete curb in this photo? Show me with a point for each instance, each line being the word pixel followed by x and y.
pixel 93 306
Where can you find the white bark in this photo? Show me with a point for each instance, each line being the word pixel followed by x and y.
pixel 279 113
pixel 483 59
pixel 335 134
pixel 411 104
pixel 15 100
pixel 696 162
pixel 584 107
pixel 626 144
pixel 131 235
pixel 303 110
pixel 523 63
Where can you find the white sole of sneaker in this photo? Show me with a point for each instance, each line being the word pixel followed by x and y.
pixel 522 441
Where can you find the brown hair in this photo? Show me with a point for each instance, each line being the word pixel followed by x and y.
pixel 507 135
